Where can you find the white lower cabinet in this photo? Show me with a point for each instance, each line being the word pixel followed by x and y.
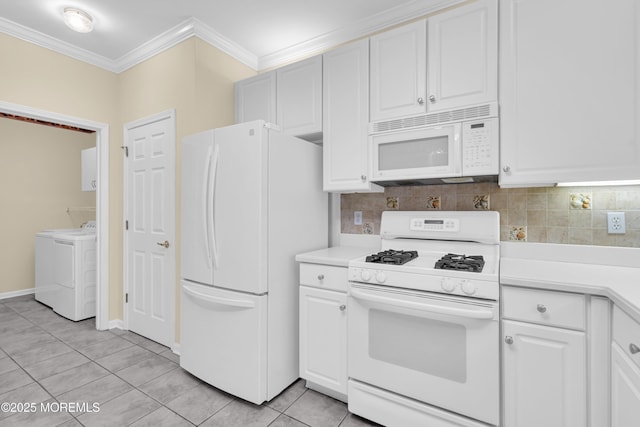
pixel 323 340
pixel 625 370
pixel 544 366
pixel 544 376
pixel 625 389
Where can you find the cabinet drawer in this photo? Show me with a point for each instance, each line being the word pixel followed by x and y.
pixel 545 307
pixel 626 333
pixel 324 276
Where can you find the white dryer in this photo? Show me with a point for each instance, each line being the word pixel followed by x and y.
pixel 66 271
pixel 44 285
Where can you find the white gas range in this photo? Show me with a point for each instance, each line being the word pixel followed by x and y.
pixel 423 328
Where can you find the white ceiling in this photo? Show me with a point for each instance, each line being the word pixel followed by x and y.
pixel 260 33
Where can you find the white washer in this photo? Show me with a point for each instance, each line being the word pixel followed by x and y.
pixel 66 271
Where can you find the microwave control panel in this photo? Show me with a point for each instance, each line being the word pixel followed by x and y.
pixel 480 147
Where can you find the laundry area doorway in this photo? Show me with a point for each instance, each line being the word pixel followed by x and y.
pixel 41 156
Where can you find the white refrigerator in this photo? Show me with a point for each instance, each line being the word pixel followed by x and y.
pixel 251 200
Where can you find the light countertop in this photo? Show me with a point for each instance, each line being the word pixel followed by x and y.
pixel 594 270
pixel 338 256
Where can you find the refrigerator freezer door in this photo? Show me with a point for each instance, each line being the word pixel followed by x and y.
pixel 224 339
pixel 240 202
pixel 197 158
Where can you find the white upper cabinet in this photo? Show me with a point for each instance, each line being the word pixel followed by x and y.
pixel 446 62
pixel 462 65
pixel 88 169
pixel 398 72
pixel 346 118
pixel 299 98
pixel 569 91
pixel 256 98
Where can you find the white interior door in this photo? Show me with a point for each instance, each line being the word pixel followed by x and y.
pixel 149 249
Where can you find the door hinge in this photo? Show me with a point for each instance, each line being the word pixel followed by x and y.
pixel 126 150
pixel 126 224
pixel 126 297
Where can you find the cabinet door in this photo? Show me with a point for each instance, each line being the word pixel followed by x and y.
pixel 299 97
pixel 323 338
pixel 463 56
pixel 398 72
pixel 569 91
pixel 625 389
pixel 256 98
pixel 346 118
pixel 544 373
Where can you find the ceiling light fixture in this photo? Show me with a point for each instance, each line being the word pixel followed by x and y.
pixel 78 20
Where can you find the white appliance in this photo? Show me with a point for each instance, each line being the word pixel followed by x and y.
pixel 464 151
pixel 423 342
pixel 251 200
pixel 66 271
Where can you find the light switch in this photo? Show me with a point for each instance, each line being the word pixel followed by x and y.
pixel 357 218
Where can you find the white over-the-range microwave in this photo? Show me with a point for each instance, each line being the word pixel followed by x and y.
pixel 453 152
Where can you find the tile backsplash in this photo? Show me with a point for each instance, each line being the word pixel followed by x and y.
pixel 571 215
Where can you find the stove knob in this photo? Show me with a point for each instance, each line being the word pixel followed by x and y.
pixel 365 275
pixel 381 277
pixel 468 287
pixel 448 285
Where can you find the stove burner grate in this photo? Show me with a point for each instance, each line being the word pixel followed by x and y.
pixel 473 263
pixel 392 257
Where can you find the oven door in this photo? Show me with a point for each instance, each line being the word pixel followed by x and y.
pixel 423 153
pixel 438 349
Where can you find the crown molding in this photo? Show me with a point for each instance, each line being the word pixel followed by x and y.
pixel 27 34
pixel 183 31
pixel 378 22
pixel 193 27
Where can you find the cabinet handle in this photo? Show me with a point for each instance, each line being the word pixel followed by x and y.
pixel 541 308
pixel 506 169
pixel 343 307
pixel 634 348
pixel 320 277
pixel 432 98
pixel 420 101
pixel 363 178
pixel 508 339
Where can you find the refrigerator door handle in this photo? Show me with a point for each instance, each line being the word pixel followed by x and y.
pixel 205 206
pixel 212 201
pixel 227 302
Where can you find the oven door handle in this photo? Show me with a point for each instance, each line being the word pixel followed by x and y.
pixel 450 311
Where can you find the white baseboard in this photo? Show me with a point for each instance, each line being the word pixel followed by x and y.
pixel 175 348
pixel 12 294
pixel 116 324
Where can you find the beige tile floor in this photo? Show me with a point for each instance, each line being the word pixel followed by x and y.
pixel 47 361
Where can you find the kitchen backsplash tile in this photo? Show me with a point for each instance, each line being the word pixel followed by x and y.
pixel 576 215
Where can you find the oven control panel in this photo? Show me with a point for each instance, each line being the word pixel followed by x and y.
pixel 435 224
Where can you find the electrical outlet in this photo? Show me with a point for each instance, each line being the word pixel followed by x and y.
pixel 357 218
pixel 615 223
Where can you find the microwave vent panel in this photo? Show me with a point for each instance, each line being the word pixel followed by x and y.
pixel 468 113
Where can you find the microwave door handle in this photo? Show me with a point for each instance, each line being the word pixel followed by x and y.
pixel 449 311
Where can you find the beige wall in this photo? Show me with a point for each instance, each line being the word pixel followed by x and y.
pixel 193 77
pixel 39 180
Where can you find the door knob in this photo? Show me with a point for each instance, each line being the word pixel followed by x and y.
pixel 343 307
pixel 634 348
pixel 165 244
pixel 420 101
pixel 508 339
pixel 432 98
